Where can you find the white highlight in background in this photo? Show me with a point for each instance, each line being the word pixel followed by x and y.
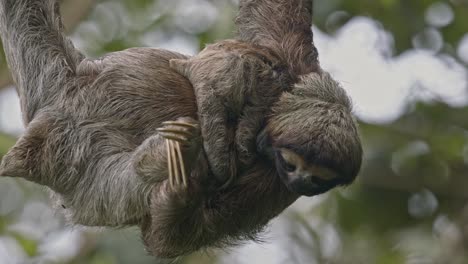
pixel 10 112
pixel 381 86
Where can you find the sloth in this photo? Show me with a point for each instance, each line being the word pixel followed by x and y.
pixel 198 152
pixel 235 85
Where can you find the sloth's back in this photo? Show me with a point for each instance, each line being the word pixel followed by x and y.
pixel 104 112
pixel 132 91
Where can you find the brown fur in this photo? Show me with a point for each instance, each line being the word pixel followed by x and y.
pixel 283 26
pixel 236 84
pixel 91 124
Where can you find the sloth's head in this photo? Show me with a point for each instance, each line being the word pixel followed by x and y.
pixel 312 136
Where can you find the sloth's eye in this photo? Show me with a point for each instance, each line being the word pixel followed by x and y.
pixel 290 160
pixel 289 167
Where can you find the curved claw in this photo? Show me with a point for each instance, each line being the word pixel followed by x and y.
pixel 180 139
pixel 176 166
pixel 180 123
pixel 173 130
pixel 169 162
pixel 181 164
pixel 177 133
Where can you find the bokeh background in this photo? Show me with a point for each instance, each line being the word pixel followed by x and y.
pixel 404 62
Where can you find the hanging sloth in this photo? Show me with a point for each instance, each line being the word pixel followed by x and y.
pixel 198 151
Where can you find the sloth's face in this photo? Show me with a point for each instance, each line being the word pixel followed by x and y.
pixel 304 177
pixel 314 136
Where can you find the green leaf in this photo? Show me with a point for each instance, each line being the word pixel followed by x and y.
pixel 29 246
pixel 6 142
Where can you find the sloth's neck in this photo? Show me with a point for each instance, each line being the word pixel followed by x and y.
pixel 258 196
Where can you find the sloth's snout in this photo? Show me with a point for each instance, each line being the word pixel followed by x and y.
pixel 309 184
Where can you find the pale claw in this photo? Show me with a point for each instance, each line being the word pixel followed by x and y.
pixel 180 123
pixel 181 164
pixel 177 133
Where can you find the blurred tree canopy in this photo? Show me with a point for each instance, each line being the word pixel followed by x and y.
pixel 404 19
pixel 410 202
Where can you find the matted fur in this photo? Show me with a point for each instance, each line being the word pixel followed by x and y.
pixel 91 125
pixel 283 26
pixel 236 84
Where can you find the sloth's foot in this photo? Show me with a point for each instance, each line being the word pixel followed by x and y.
pixel 183 142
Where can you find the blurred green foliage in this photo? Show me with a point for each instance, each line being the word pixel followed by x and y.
pixel 404 19
pixel 410 202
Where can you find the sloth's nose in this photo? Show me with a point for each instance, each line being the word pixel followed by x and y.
pixel 308 185
pixel 302 186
